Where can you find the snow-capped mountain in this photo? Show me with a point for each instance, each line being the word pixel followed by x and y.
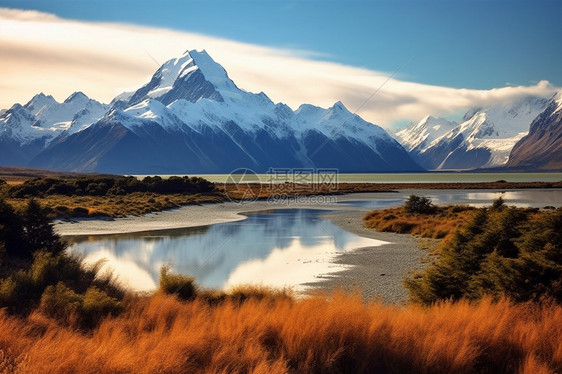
pixel 25 130
pixel 483 139
pixel 541 148
pixel 192 118
pixel 417 137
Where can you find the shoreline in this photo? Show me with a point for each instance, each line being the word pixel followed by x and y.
pixel 196 215
pixel 377 273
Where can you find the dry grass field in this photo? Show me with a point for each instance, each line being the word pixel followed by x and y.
pixel 341 334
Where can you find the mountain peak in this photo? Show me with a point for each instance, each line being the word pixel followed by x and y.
pixel 192 76
pixel 39 101
pixel 339 105
pixel 212 71
pixel 78 95
pixel 419 135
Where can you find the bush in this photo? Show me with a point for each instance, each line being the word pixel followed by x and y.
pixel 103 186
pixel 240 294
pixel 511 252
pixel 11 232
pixel 38 230
pixel 80 212
pixel 18 293
pixel 498 204
pixel 419 205
pixel 38 273
pixel 60 302
pixel 63 304
pixel 97 305
pixel 181 285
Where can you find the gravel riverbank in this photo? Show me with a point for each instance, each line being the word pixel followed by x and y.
pixel 377 272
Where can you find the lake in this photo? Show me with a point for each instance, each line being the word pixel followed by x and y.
pixel 276 246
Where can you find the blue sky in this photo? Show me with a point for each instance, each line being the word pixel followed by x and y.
pixel 461 44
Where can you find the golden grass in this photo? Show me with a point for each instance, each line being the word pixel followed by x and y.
pixel 312 335
pixel 136 203
pixel 436 226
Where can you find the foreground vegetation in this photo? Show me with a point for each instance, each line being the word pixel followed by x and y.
pixel 59 316
pixel 502 251
pixel 313 335
pixel 497 251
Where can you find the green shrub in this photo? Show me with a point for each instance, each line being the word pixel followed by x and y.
pixel 18 292
pixel 507 252
pixel 419 205
pixel 82 310
pixel 181 285
pixel 103 186
pixel 38 273
pixel 60 302
pixel 45 268
pixel 38 231
pixel 97 305
pixel 7 291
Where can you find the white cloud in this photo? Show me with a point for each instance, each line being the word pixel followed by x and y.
pixel 41 52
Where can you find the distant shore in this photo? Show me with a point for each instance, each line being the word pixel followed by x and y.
pixel 82 195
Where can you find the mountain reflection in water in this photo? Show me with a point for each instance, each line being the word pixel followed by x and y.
pixel 276 248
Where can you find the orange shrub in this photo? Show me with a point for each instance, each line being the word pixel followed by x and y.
pixel 438 225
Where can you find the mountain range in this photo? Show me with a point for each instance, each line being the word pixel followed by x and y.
pixel 485 138
pixel 192 118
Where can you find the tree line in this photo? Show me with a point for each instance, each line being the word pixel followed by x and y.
pixel 102 186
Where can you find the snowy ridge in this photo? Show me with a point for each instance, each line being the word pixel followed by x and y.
pixel 418 136
pixel 169 72
pixel 558 100
pixel 191 117
pixel 251 112
pixel 44 117
pixel 483 139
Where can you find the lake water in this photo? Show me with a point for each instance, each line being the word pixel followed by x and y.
pixel 529 198
pixel 441 177
pixel 277 247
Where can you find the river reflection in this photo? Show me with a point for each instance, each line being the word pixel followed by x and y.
pixel 276 248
